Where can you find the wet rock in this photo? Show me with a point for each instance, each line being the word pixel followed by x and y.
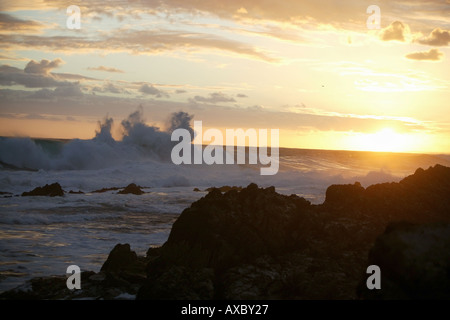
pixel 51 190
pixel 76 192
pixel 102 190
pixel 132 188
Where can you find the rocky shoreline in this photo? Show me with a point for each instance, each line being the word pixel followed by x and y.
pixel 253 243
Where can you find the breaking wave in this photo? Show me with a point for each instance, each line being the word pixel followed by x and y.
pixel 139 141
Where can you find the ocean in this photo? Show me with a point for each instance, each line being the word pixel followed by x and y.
pixel 42 236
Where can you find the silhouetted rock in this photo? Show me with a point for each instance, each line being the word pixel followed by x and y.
pixel 119 258
pixel 102 190
pixel 257 244
pixel 225 188
pixel 76 192
pixel 179 283
pixel 196 190
pixel 414 261
pixel 52 190
pixel 341 196
pixel 261 244
pixel 221 230
pixel 132 188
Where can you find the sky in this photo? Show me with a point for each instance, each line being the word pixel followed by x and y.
pixel 327 74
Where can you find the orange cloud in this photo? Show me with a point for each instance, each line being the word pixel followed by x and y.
pixel 437 37
pixel 395 31
pixel 105 69
pixel 9 23
pixel 136 42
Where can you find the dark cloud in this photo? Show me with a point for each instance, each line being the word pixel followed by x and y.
pixel 10 76
pixel 43 67
pixel 214 97
pixel 42 94
pixel 437 37
pixel 180 91
pixel 11 23
pixel 395 31
pixel 151 90
pixel 69 91
pixel 431 55
pixel 240 95
pixel 135 42
pixel 111 88
pixel 14 102
pixel 106 69
pixel 63 92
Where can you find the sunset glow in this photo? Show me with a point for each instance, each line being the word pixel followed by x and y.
pixel 321 74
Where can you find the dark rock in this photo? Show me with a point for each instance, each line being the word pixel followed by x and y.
pixel 76 192
pixel 230 232
pixel 414 261
pixel 196 190
pixel 132 188
pixel 224 188
pixel 106 190
pixel 52 190
pixel 344 195
pixel 179 283
pixel 221 230
pixel 254 243
pixel 120 258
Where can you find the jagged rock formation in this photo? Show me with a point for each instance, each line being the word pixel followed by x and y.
pixel 52 190
pixel 258 244
pixel 132 188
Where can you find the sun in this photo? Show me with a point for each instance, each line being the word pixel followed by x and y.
pixel 384 140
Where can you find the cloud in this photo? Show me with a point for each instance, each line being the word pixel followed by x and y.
pixel 71 76
pixel 214 97
pixel 43 67
pixel 395 31
pixel 240 95
pixel 437 37
pixel 151 90
pixel 68 91
pixel 431 55
pixel 10 76
pixel 109 87
pixel 136 42
pixel 63 92
pixel 345 14
pixel 10 23
pixel 13 102
pixel 180 91
pixel 106 69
